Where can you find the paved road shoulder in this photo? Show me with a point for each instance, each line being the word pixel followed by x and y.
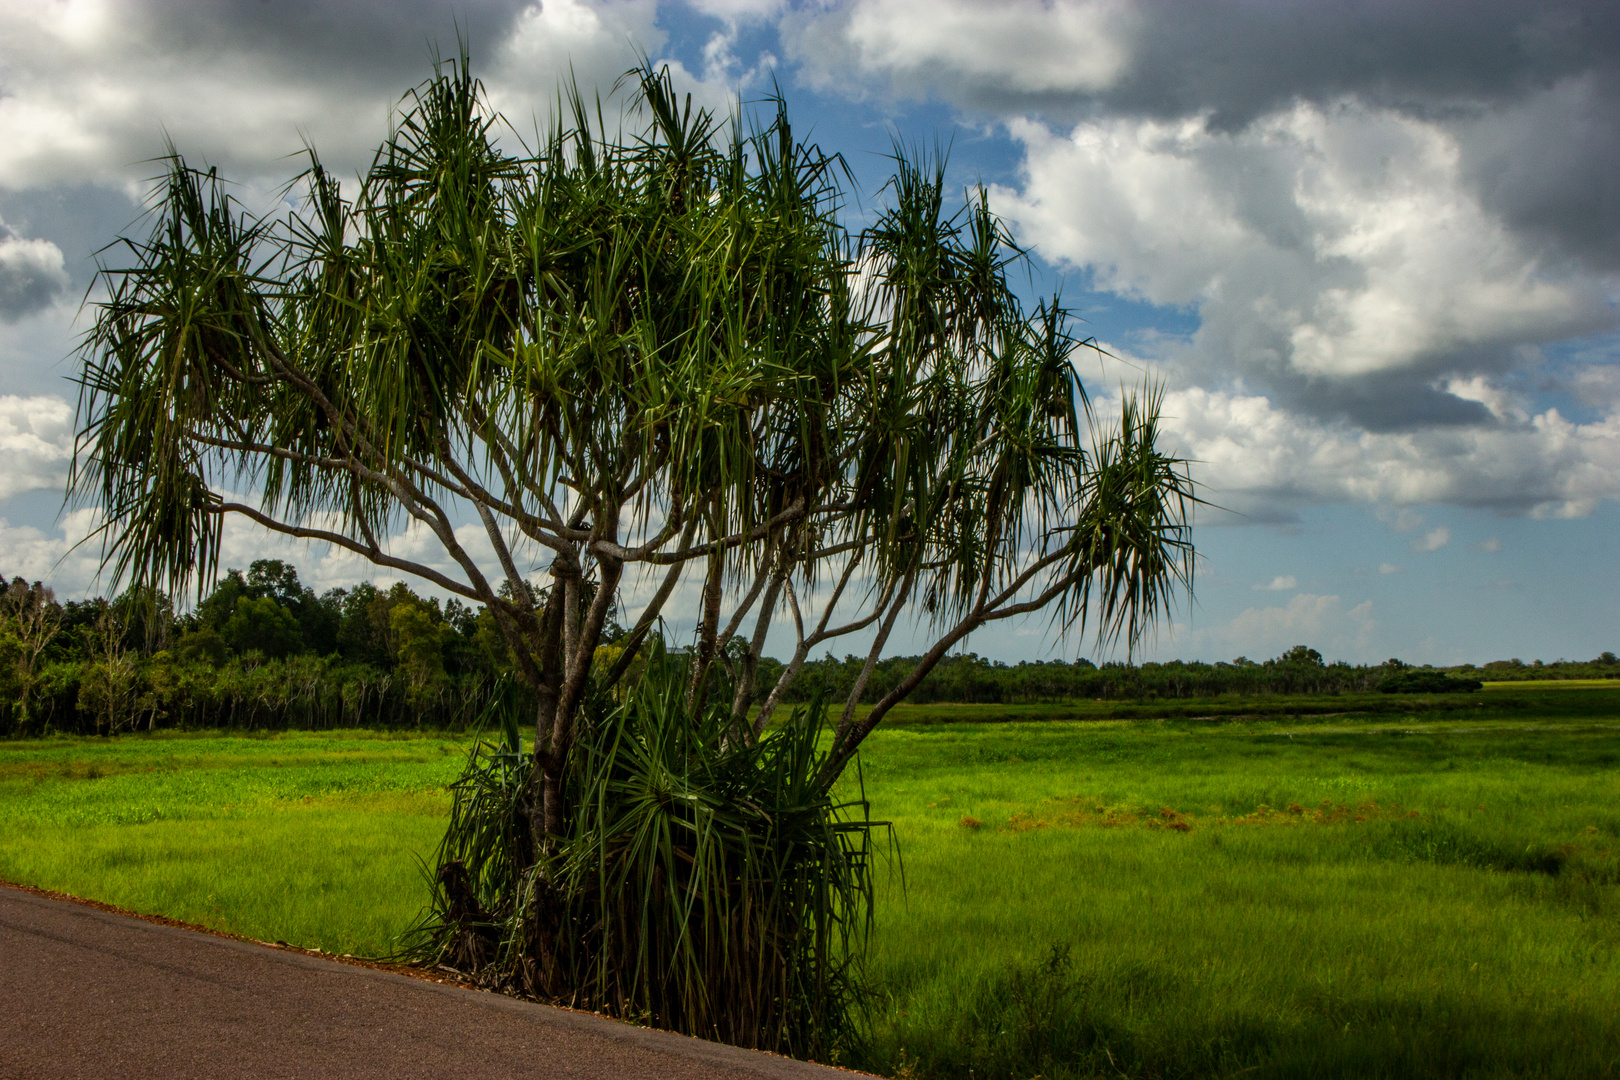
pixel 87 993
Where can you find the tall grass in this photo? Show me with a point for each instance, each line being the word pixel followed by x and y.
pixel 1075 933
pixel 706 884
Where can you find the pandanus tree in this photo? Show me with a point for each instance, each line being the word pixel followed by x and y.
pixel 655 364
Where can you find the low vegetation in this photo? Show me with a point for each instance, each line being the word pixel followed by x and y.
pixel 704 862
pixel 263 651
pixel 1410 897
pixel 1427 893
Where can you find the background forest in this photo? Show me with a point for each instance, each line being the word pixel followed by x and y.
pixel 262 650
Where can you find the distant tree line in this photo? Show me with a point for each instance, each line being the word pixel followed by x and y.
pixel 1605 666
pixel 974 679
pixel 262 650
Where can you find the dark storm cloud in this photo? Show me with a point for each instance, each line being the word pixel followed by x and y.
pixel 1550 166
pixel 382 41
pixel 1243 59
pixel 1403 399
pixel 1394 403
pixel 1235 59
pixel 1531 89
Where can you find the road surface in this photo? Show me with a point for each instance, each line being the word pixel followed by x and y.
pixel 88 993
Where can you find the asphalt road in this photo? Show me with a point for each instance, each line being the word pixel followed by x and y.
pixel 86 993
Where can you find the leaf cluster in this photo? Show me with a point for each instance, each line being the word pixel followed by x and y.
pixel 709 885
pixel 627 349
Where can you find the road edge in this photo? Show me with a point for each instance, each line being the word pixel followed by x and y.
pixel 653 1039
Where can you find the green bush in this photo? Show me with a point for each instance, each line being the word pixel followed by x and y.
pixel 1414 681
pixel 708 884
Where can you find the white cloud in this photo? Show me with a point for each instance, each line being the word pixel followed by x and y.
pixel 59 558
pixel 36 443
pixel 1597 385
pixel 1280 583
pixel 90 93
pixel 92 87
pixel 1370 241
pixel 1400 518
pixel 1433 540
pixel 1014 47
pixel 33 275
pixel 1388 568
pixel 593 43
pixel 1321 242
pixel 736 11
pixel 1489 544
pixel 1339 262
pixel 1527 86
pixel 1257 458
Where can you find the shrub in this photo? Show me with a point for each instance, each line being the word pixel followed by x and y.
pixel 708 884
pixel 1414 681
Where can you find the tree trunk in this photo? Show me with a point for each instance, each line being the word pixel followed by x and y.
pixel 546 807
pixel 708 630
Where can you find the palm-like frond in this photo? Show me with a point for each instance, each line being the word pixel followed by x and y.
pixel 655 351
pixel 708 885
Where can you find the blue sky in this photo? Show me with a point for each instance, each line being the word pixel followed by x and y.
pixel 1371 252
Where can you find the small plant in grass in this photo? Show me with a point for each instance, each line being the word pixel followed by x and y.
pixel 709 883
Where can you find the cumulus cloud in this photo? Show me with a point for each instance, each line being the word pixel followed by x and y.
pixel 59 558
pixel 36 443
pixel 1334 253
pixel 1001 53
pixel 592 43
pixel 1280 583
pixel 736 11
pixel 1528 85
pixel 1546 164
pixel 1490 545
pixel 1380 213
pixel 89 89
pixel 33 275
pixel 1400 518
pixel 1433 540
pixel 1166 58
pixel 1260 459
pixel 1388 568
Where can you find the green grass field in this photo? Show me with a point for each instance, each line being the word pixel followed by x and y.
pixel 1436 894
pixel 1278 899
pixel 1554 684
pixel 311 839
